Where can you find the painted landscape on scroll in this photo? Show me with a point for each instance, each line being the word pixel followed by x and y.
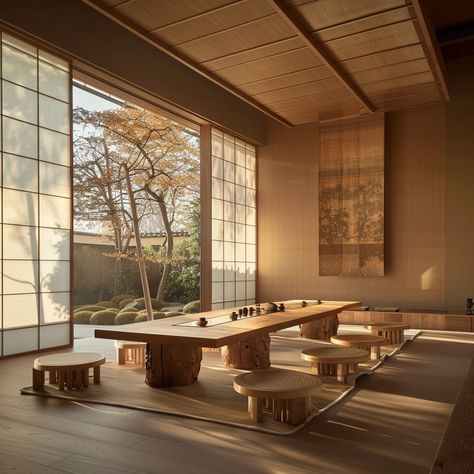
pixel 351 198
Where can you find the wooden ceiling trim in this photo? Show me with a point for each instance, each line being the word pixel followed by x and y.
pixel 392 70
pixel 311 101
pixel 374 41
pixel 365 24
pixel 248 35
pixel 270 68
pixel 136 29
pixel 292 43
pixel 298 90
pixel 286 80
pixel 224 30
pixel 397 83
pixel 341 110
pixel 431 47
pixel 198 15
pixel 384 58
pixel 323 56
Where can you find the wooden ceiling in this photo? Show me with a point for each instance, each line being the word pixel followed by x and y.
pixel 299 61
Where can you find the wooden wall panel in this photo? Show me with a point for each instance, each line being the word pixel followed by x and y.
pixel 414 216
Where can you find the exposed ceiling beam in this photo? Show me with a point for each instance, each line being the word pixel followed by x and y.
pixel 431 46
pixel 131 26
pixel 310 42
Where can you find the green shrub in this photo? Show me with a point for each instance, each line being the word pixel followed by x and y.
pixel 125 318
pixel 103 317
pixel 82 317
pixel 115 310
pixel 140 317
pixel 106 304
pixel 125 302
pixel 91 307
pixel 170 314
pixel 129 310
pixel 140 304
pixel 119 298
pixel 192 307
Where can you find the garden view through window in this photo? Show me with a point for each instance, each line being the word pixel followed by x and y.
pixel 136 212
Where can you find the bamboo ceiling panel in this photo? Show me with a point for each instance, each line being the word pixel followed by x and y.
pixel 299 61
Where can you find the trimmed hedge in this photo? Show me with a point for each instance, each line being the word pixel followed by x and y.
pixel 139 318
pixel 129 310
pixel 170 314
pixel 91 307
pixel 192 307
pixel 116 300
pixel 106 304
pixel 125 302
pixel 140 304
pixel 83 317
pixel 104 317
pixel 125 318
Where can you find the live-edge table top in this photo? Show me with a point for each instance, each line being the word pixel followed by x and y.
pixel 169 330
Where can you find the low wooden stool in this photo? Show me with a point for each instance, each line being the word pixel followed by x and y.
pixel 70 369
pixel 367 342
pixel 285 392
pixel 335 360
pixel 393 332
pixel 128 351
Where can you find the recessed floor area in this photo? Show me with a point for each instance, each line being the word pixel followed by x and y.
pixel 392 422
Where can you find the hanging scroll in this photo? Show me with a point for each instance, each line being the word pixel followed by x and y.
pixel 351 198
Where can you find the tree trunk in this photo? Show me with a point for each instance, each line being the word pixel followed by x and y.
pixel 159 198
pixel 138 242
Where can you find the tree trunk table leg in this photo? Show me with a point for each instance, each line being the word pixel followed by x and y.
pixel 121 355
pixel 69 379
pixel 85 378
pixel 38 379
pixel 248 355
pixel 172 365
pixel 298 410
pixel 60 379
pixel 322 328
pixel 255 407
pixel 78 379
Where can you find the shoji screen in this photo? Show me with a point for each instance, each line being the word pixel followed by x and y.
pixel 35 198
pixel 234 221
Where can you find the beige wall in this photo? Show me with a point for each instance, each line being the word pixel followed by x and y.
pixel 414 215
pixel 460 182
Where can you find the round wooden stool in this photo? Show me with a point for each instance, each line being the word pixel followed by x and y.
pixel 367 342
pixel 393 332
pixel 335 360
pixel 285 392
pixel 128 351
pixel 69 368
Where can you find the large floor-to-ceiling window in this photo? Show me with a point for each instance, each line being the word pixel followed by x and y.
pixel 36 198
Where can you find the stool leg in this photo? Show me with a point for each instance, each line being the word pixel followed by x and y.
pixel 97 374
pixel 69 379
pixel 341 372
pixel 297 410
pixel 255 407
pixel 78 379
pixel 375 352
pixel 38 379
pixel 53 378
pixel 85 378
pixel 120 356
pixel 60 380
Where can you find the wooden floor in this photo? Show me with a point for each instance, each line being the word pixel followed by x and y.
pixel 392 423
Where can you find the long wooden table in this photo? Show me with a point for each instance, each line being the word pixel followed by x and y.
pixel 174 345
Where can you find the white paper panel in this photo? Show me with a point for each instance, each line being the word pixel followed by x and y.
pixel 20 207
pixel 20 173
pixel 54 335
pixel 53 114
pixel 19 103
pixel 20 242
pixel 55 244
pixel 54 307
pixel 55 212
pixel 54 276
pixel 54 147
pixel 54 180
pixel 20 340
pixel 20 276
pixel 53 81
pixel 20 310
pixel 20 138
pixel 19 67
